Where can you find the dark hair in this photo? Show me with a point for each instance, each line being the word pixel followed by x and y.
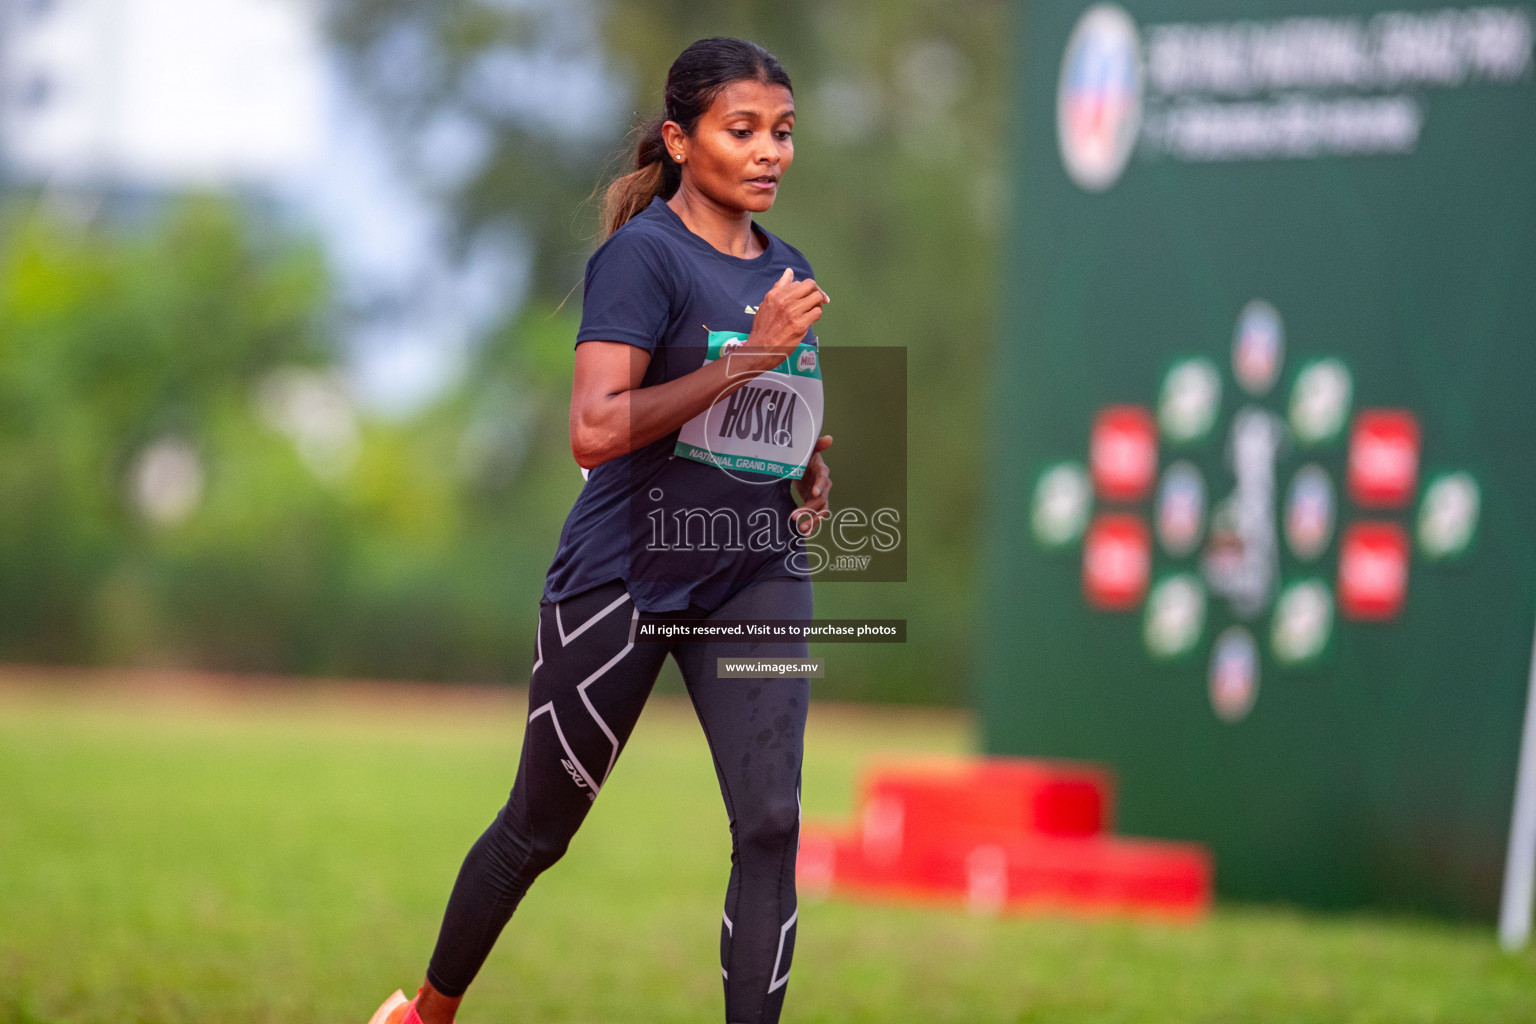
pixel 695 79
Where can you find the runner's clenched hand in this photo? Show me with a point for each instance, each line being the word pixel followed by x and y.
pixel 785 314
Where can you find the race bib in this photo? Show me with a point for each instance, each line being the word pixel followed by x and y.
pixel 769 426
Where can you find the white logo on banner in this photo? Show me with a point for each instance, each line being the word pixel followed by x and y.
pixel 1320 401
pixel 1062 498
pixel 1098 97
pixel 1298 88
pixel 1241 559
pixel 1303 620
pixel 1448 515
pixel 1175 616
pixel 1190 399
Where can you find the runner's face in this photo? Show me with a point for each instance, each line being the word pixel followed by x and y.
pixel 742 146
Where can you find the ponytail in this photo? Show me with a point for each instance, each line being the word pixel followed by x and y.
pixel 693 82
pixel 654 175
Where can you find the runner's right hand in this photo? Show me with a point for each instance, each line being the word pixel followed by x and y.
pixel 785 314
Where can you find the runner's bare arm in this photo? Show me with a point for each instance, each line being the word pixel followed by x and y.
pixel 611 414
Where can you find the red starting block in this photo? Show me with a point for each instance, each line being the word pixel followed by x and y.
pixel 1000 835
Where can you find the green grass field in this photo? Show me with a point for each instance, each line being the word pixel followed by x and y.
pixel 211 856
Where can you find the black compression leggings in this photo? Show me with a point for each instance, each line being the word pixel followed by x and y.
pixel 590 681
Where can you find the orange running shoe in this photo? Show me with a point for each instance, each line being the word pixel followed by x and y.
pixel 393 1010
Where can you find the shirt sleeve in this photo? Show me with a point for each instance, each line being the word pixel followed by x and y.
pixel 628 292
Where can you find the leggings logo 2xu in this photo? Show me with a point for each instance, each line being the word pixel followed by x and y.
pixel 581 783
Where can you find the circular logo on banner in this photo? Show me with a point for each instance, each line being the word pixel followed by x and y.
pixel 1298 555
pixel 1448 515
pixel 1175 616
pixel 1383 469
pixel 1062 497
pixel 1320 401
pixel 1373 571
pixel 1098 97
pixel 1303 622
pixel 1309 512
pixel 1117 560
pixel 1234 674
pixel 1258 346
pixel 1191 397
pixel 1122 452
pixel 1180 509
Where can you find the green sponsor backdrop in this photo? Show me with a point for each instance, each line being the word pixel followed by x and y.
pixel 1381 773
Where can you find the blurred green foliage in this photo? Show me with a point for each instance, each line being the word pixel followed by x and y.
pixel 321 541
pixel 109 343
pixel 388 549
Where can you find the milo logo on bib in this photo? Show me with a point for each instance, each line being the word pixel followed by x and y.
pixel 769 426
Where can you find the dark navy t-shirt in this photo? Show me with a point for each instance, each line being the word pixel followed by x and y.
pixel 678 532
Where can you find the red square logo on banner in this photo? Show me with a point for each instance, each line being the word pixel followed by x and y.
pixel 1123 452
pixel 1117 562
pixel 1384 458
pixel 1373 571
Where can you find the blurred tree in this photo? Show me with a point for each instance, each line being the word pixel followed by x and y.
pixel 501 110
pixel 188 483
pixel 122 355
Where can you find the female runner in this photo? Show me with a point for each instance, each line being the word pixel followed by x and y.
pixel 695 407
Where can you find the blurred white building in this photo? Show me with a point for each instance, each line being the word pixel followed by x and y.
pixel 160 93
